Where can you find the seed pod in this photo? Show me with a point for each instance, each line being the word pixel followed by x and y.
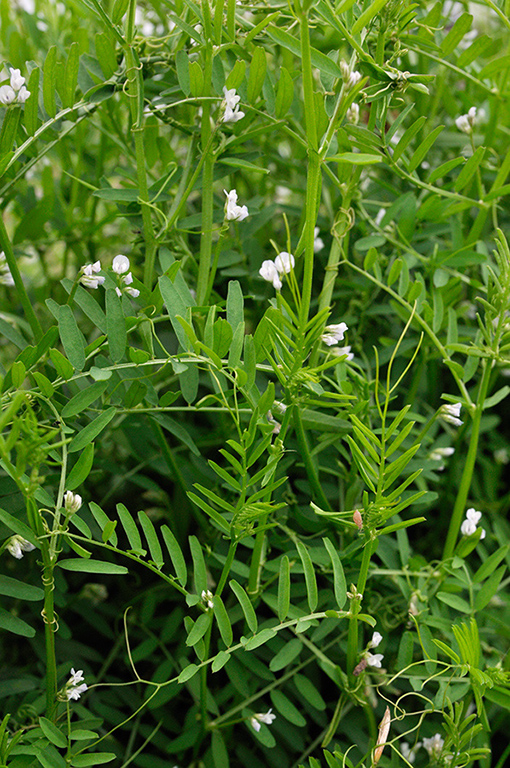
pixel 358 669
pixel 358 519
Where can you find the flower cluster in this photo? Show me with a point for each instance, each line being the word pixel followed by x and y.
pixel 266 718
pixel 5 273
pixel 334 333
pixel 90 277
pixel 234 212
pixel 72 502
pixel 409 753
pixel 120 266
pixel 318 242
pixel 465 123
pixel 75 686
pixel 434 745
pixel 208 598
pixel 450 413
pixel 374 659
pixel 272 271
pixel 469 526
pixel 349 76
pixel 352 114
pixel 438 454
pixel 17 545
pixel 16 91
pixel 232 112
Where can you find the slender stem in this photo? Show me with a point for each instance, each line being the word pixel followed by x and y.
pixel 49 634
pixel 352 637
pixel 314 173
pixel 469 465
pixel 5 245
pixel 311 471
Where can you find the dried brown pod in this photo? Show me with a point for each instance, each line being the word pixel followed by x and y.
pixel 358 669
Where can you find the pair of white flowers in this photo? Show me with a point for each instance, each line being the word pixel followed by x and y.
pixel 465 123
pixel 349 76
pixel 232 112
pixel 469 526
pixel 17 546
pixel 72 502
pixel 75 686
pixel 374 659
pixel 233 211
pixel 450 413
pixel 332 335
pixel 266 718
pixel 91 278
pixel 16 91
pixel 434 746
pixel 273 271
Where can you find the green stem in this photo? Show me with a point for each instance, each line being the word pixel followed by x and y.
pixel 5 246
pixel 136 103
pixel 204 264
pixel 311 471
pixel 50 623
pixel 352 637
pixel 314 173
pixel 469 465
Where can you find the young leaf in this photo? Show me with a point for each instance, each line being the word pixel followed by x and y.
pixel 91 431
pixel 103 521
pixel 284 94
pixel 246 605
pixel 83 399
pixel 49 81
pixel 152 539
pixel 223 621
pixel 199 628
pixel 72 338
pixel 80 471
pixel 257 74
pixel 176 555
pixel 284 588
pixel 71 75
pixel 310 580
pixel 339 583
pixel 115 326
pixel 199 570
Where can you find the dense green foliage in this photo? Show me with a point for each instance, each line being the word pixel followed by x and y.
pixel 253 545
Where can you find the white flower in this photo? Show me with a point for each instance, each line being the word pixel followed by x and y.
pixel 408 753
pixel 232 112
pixel 89 277
pixel 18 545
pixel 349 77
pixel 5 273
pixel 75 685
pixel 374 659
pixel 118 292
pixel 318 242
pixel 7 95
pixel 23 95
pixel 501 455
pixel 279 407
pixel 207 596
pixel 269 272
pixel 465 123
pixel 276 424
pixel 134 292
pixel 284 262
pixel 438 454
pixel 376 639
pixel 16 80
pixel 266 718
pixel 450 413
pixel 334 333
pixel 469 525
pixel 120 264
pixel 341 351
pixel 352 114
pixel 234 212
pixel 434 745
pixel 72 502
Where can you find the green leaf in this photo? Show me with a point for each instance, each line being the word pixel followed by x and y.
pixel 103 522
pixel 62 364
pixel 91 566
pixel 310 580
pixel 356 158
pixel 284 94
pixel 72 338
pixel 339 584
pixel 423 148
pixel 182 67
pixel 494 66
pixel 131 529
pixel 319 60
pixel 14 588
pixel 115 326
pixel 246 605
pixel 18 526
pixel 30 117
pixel 223 621
pixel 454 601
pixel 284 588
pixel 236 76
pixel 152 539
pixel 91 431
pixel 259 639
pixel 175 306
pixel 199 570
pixel 490 564
pixel 53 733
pixel 286 708
pixel 105 52
pixel 469 169
pixel 489 588
pixel 199 628
pixel 81 470
pixel 14 624
pixel 71 76
pixel 408 136
pixel 309 692
pixel 219 750
pixel 286 655
pixel 235 304
pixel 98 758
pixel 367 16
pixel 83 399
pixel 49 81
pixel 256 74
pixel 187 673
pixel 456 33
pixel 497 397
pixel 196 78
pixel 119 9
pixel 220 660
pixel 176 555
